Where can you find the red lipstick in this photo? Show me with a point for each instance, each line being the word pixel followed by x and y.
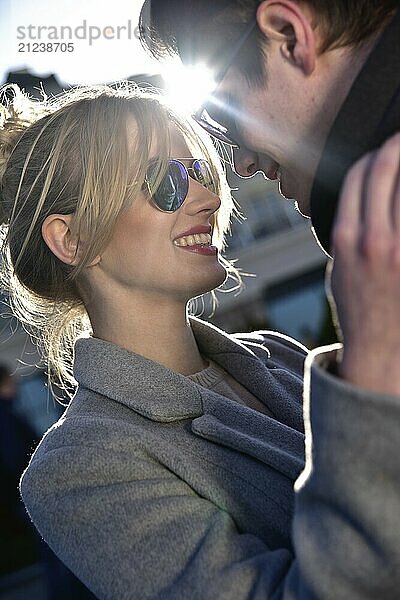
pixel 198 248
pixel 196 229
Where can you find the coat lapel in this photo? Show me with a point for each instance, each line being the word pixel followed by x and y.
pixel 248 431
pixel 279 389
pixel 164 396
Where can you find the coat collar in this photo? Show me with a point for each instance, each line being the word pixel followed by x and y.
pixel 367 117
pixel 162 395
pixel 147 387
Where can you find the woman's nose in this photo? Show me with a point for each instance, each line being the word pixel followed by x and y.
pixel 201 199
pixel 245 162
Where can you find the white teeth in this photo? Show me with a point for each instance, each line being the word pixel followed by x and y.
pixel 192 240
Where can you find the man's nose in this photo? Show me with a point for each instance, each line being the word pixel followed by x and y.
pixel 245 162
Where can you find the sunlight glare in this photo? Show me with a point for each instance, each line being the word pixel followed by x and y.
pixel 187 87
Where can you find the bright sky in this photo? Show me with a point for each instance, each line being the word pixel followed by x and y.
pixel 113 52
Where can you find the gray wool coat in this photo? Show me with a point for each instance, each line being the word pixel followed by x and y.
pixel 152 487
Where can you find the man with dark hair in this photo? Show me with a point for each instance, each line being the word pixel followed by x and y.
pixel 308 92
pixel 304 88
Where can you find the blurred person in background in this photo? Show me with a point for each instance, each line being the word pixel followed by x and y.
pixel 20 543
pixel 17 442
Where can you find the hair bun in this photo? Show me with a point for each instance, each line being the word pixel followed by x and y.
pixel 16 114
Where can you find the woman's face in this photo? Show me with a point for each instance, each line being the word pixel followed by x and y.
pixel 147 254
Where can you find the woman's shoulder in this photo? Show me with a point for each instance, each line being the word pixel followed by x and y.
pixel 91 423
pixel 87 432
pixel 81 449
pixel 275 337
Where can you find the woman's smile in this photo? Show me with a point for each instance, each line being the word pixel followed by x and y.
pixel 198 240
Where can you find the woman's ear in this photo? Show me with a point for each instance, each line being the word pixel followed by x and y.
pixel 290 24
pixel 58 234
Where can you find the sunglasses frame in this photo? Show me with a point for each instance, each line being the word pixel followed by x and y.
pixel 188 170
pixel 216 129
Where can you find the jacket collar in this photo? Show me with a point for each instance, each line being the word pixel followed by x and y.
pixel 359 126
pixel 147 387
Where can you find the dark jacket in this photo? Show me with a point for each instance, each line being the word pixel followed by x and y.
pixel 369 116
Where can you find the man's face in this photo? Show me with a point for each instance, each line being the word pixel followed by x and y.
pixel 279 125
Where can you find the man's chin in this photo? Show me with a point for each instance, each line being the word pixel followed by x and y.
pixel 286 192
pixel 302 211
pixel 297 196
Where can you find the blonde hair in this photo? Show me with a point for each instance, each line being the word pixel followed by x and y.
pixel 70 155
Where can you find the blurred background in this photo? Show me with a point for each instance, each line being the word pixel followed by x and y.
pixel 98 44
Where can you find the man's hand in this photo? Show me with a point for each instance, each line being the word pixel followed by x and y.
pixel 365 277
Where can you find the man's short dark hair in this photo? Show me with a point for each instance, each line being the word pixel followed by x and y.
pixel 204 30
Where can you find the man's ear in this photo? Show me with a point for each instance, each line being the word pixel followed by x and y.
pixel 290 24
pixel 58 234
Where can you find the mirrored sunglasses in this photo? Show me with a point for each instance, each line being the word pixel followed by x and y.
pixel 171 192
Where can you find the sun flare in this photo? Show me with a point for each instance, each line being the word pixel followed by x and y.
pixel 187 87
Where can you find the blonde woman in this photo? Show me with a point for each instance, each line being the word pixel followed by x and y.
pixel 171 473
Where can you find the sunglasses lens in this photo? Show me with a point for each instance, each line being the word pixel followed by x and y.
pixel 173 188
pixel 203 174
